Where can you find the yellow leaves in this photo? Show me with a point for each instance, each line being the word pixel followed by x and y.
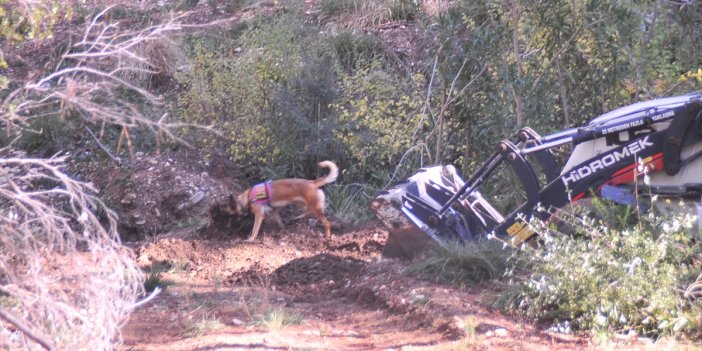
pixel 692 75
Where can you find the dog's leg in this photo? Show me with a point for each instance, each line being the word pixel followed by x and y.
pixel 303 215
pixel 319 213
pixel 258 213
pixel 276 216
pixel 305 211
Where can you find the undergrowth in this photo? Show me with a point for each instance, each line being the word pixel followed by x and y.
pixel 610 275
pixel 348 204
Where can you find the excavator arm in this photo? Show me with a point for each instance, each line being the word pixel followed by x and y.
pixel 662 136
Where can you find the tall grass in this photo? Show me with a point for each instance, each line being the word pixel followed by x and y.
pixel 363 13
pixel 349 204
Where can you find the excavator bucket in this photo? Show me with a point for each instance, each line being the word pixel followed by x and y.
pixel 409 212
pixel 405 240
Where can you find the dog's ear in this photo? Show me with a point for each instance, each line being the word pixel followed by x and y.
pixel 236 203
pixel 231 207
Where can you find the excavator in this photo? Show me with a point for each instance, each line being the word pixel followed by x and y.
pixel 660 139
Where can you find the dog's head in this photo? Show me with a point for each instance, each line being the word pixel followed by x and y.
pixel 237 205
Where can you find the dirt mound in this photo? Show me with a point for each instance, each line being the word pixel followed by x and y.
pixel 158 193
pixel 320 274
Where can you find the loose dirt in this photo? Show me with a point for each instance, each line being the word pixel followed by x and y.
pixel 347 297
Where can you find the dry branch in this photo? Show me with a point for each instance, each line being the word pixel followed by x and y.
pixel 100 76
pixel 66 282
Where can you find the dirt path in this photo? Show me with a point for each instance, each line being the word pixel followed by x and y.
pixel 338 293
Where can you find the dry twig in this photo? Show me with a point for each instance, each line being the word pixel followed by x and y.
pixel 66 282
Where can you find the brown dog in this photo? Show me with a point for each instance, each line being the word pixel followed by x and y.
pixel 272 195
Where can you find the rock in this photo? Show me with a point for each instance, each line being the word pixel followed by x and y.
pixel 128 199
pixel 197 197
pixel 501 332
pixel 237 322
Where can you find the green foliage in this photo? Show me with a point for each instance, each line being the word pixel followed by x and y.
pixel 611 278
pixel 379 116
pixel 19 23
pixel 348 204
pixel 472 262
pixel 356 50
pixel 271 99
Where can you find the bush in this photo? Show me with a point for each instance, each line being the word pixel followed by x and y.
pixel 268 94
pixel 612 278
pixel 379 116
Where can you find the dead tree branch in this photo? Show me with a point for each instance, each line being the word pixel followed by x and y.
pixel 17 323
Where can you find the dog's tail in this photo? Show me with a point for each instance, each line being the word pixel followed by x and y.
pixel 331 177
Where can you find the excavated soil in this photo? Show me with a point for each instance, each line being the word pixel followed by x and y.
pixel 347 296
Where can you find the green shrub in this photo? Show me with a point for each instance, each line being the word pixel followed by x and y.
pixel 269 94
pixel 379 116
pixel 611 278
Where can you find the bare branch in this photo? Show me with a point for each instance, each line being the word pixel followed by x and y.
pixel 148 299
pixel 102 147
pixel 17 323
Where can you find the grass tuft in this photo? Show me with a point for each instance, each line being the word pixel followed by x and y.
pixel 205 325
pixel 278 318
pixel 472 262
pixel 154 277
